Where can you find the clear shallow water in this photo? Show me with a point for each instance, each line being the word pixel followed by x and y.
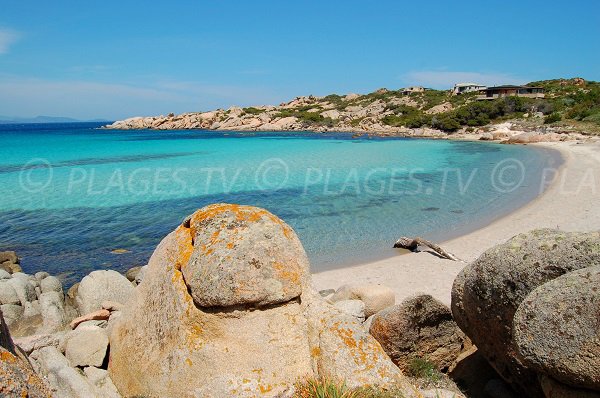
pixel 71 194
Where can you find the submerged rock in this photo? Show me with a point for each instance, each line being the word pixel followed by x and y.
pixel 179 336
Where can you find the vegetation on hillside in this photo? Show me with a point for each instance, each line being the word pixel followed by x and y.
pixel 567 102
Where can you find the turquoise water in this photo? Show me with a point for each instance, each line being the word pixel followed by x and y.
pixel 71 193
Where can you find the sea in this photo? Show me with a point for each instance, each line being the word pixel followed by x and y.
pixel 76 198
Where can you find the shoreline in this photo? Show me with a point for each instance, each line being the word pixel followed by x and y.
pixel 567 203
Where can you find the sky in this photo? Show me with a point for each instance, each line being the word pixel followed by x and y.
pixel 117 59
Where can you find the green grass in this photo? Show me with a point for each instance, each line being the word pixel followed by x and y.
pixel 421 368
pixel 327 388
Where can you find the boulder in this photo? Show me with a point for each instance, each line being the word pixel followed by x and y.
pixel 419 327
pixel 64 380
pixel 8 294
pixel 51 284
pixel 9 256
pixel 101 381
pixel 132 273
pixel 24 289
pixel 263 267
pixel 487 293
pixel 53 313
pixel 179 336
pixel 87 347
pixel 10 267
pixel 557 330
pixel 4 274
pixel 41 275
pixel 356 308
pixel 100 286
pixel 12 313
pixel 37 341
pixel 555 389
pixel 375 297
pixel 17 378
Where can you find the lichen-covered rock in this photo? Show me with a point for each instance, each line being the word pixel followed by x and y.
pixel 179 337
pixel 100 286
pixel 487 293
pixel 17 378
pixel 419 327
pixel 557 328
pixel 243 256
pixel 375 297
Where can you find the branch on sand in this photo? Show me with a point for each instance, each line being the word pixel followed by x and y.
pixel 412 244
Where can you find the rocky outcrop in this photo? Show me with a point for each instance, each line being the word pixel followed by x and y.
pixel 17 378
pixel 488 292
pixel 420 327
pixel 263 327
pixel 557 329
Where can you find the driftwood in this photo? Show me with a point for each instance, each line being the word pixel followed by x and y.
pixel 413 243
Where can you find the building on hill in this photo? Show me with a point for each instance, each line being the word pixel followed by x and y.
pixel 412 89
pixel 491 93
pixel 462 88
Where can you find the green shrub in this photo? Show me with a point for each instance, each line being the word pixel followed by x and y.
pixel 252 110
pixel 421 368
pixel 327 388
pixel 552 118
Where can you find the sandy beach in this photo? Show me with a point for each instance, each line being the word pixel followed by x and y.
pixel 570 203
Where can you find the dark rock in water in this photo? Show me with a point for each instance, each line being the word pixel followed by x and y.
pixel 457 211
pixel 487 293
pixel 419 327
pixel 556 328
pixel 430 209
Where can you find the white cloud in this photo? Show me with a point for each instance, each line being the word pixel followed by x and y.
pixel 7 38
pixel 447 79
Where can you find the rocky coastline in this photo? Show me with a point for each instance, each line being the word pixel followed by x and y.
pixel 226 307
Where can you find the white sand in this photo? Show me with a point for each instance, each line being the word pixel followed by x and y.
pixel 571 203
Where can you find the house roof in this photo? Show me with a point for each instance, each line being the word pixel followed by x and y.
pixel 506 86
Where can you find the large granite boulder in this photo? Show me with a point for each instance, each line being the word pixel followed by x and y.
pixel 100 286
pixel 17 378
pixel 557 328
pixel 419 327
pixel 255 335
pixel 487 293
pixel 555 389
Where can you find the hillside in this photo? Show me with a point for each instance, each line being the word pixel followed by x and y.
pixel 573 104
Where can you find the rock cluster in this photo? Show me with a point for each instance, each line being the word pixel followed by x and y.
pixel 226 309
pixel 530 306
pixel 9 262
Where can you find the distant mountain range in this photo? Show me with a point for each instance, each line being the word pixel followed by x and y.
pixel 44 119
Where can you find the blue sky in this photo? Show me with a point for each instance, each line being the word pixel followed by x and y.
pixel 115 59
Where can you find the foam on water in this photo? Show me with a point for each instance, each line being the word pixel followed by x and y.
pixel 71 193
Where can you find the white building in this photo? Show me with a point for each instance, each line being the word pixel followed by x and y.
pixel 462 88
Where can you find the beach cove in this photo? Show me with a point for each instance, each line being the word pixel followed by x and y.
pixel 569 204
